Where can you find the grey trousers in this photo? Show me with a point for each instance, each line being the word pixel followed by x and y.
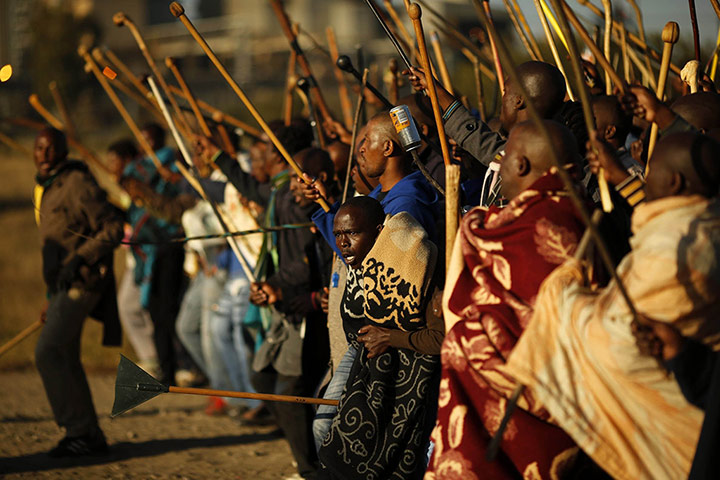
pixel 57 356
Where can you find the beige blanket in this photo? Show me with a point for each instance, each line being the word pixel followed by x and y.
pixel 579 357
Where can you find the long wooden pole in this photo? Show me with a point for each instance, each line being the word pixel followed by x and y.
pixel 67 121
pixel 696 33
pixel 353 138
pixel 345 103
pixel 172 66
pixel 34 101
pixel 178 12
pixel 26 332
pixel 121 19
pixel 563 16
pixel 134 80
pixel 607 33
pixel 232 241
pixel 641 32
pixel 256 396
pixel 493 48
pixel 229 119
pixel 301 59
pixel 670 36
pixel 552 45
pixel 144 145
pixel 528 31
pixel 451 201
pixel 442 66
pixel 519 30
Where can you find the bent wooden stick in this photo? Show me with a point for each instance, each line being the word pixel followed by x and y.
pixel 15 145
pixel 121 19
pixel 178 12
pixel 670 36
pixel 34 101
pixel 60 104
pixel 641 32
pixel 526 27
pixel 442 66
pixel 224 135
pixel 301 59
pixel 607 34
pixel 27 331
pixel 493 48
pixel 519 30
pixel 353 138
pixel 134 80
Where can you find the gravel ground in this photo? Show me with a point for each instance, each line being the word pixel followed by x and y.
pixel 168 437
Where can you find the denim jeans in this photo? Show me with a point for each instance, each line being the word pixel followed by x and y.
pixel 226 330
pixel 325 413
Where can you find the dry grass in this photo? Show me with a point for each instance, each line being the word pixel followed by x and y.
pixel 22 290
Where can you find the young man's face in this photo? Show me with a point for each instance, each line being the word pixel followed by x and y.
pixel 47 153
pixel 353 236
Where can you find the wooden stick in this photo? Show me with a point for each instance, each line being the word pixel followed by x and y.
pixel 401 27
pixel 554 23
pixel 563 16
pixel 290 82
pixel 670 36
pixel 224 136
pixel 301 59
pixel 178 12
pixel 451 201
pixel 552 45
pixel 34 101
pixel 232 241
pixel 528 31
pixel 121 19
pixel 633 38
pixel 249 129
pixel 479 90
pixel 599 56
pixel 714 58
pixel 15 145
pixel 345 103
pixel 442 66
pixel 493 48
pixel 256 396
pixel 607 5
pixel 696 33
pixel 393 84
pixel 641 32
pixel 519 30
pixel 144 145
pixel 26 332
pixel 60 104
pixel 353 138
pixel 134 80
pixel 627 68
pixel 172 66
pixel 643 69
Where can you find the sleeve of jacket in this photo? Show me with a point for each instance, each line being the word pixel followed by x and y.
pixel 242 181
pixel 105 223
pixel 324 222
pixel 474 136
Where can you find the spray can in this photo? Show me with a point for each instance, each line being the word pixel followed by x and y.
pixel 405 128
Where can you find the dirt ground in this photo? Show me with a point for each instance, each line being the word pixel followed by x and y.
pixel 168 437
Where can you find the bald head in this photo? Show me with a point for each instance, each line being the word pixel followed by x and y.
pixel 545 87
pixel 528 156
pixel 684 163
pixel 701 110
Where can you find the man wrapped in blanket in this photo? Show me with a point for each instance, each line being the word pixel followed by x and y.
pixel 580 356
pixel 383 422
pixel 500 258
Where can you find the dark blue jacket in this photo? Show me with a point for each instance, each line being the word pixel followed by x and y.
pixel 412 194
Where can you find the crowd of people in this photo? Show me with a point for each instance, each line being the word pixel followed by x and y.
pixel 426 351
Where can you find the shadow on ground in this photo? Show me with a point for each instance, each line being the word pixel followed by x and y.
pixel 39 462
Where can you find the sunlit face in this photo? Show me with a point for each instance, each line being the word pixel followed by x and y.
pixel 47 154
pixel 372 157
pixel 353 236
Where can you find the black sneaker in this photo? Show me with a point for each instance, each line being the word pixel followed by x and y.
pixel 80 446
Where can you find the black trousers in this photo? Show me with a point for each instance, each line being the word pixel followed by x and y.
pixel 168 281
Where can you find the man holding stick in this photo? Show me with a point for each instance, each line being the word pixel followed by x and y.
pixel 79 230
